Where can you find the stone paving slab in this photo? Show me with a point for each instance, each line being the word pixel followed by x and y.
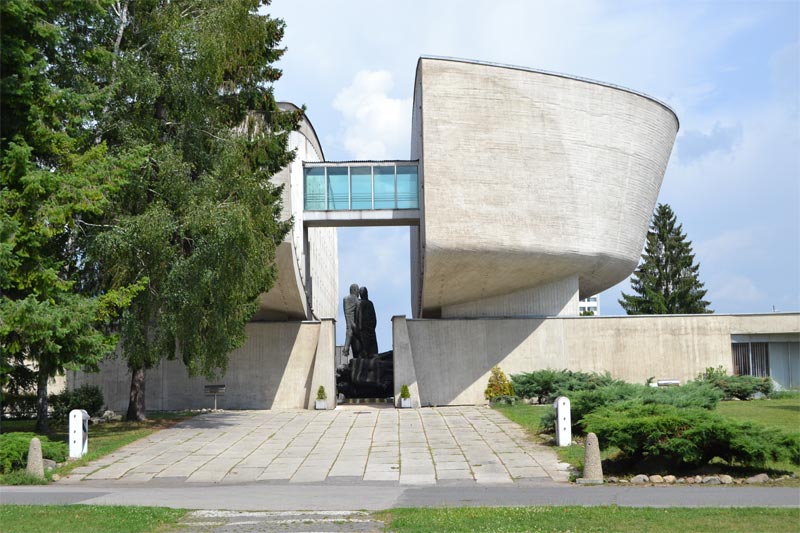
pixel 416 447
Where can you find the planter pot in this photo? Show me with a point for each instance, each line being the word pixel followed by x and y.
pixel 405 403
pixel 320 404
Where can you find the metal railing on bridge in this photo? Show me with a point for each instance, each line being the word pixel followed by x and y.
pixel 360 185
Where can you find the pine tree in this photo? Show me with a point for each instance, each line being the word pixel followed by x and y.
pixel 667 280
pixel 189 90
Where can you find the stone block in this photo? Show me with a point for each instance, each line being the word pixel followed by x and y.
pixel 35 462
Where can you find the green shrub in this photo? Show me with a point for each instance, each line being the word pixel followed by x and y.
pixel 321 394
pixel 404 392
pixel 19 405
pixel 739 387
pixel 14 450
pixel 695 395
pixel 505 400
pixel 547 385
pixel 688 437
pixel 498 385
pixel 87 397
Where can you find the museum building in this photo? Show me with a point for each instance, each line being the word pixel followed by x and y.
pixel 501 157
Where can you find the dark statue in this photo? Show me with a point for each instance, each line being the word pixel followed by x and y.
pixel 350 305
pixel 366 322
pixel 369 374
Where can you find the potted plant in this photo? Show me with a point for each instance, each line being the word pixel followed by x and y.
pixel 405 397
pixel 322 397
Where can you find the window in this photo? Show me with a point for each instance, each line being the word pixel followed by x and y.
pixel 750 359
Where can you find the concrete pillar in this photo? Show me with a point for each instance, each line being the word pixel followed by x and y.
pixel 324 370
pixel 404 371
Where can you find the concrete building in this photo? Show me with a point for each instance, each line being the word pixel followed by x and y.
pixel 501 158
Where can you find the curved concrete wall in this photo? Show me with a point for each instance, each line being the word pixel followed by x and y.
pixel 303 278
pixel 529 179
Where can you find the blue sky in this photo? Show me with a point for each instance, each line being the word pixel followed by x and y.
pixel 730 70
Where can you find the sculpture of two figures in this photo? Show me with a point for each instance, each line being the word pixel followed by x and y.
pixel 360 321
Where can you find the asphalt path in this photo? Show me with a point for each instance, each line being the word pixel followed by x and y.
pixel 385 495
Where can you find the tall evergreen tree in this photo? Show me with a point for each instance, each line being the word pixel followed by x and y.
pixel 189 89
pixel 53 176
pixel 667 280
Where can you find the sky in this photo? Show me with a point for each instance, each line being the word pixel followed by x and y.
pixel 730 70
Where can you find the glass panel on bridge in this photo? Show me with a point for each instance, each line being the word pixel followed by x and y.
pixel 315 189
pixel 407 187
pixel 361 186
pixel 338 194
pixel 384 187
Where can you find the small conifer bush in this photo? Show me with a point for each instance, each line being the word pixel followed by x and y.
pixel 499 385
pixel 404 393
pixel 321 394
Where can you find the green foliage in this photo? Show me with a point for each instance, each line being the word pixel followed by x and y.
pixel 189 99
pixel 582 403
pixel 321 394
pixel 55 178
pixel 547 385
pixel 688 437
pixel 19 405
pixel 667 280
pixel 504 400
pixel 404 393
pixel 14 450
pixel 739 387
pixel 86 397
pixel 22 477
pixel 498 385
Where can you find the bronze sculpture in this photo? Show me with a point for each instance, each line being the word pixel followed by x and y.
pixel 366 321
pixel 350 305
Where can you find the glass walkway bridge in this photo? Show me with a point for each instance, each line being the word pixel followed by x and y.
pixel 361 193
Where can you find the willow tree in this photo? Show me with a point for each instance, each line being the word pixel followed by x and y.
pixel 190 88
pixel 667 280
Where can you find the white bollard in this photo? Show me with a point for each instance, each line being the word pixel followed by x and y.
pixel 78 433
pixel 563 421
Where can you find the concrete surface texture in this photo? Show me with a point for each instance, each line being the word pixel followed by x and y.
pixel 452 358
pixel 273 370
pixel 528 179
pixel 410 447
pixel 305 278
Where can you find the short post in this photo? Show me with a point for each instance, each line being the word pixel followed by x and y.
pixel 563 421
pixel 78 433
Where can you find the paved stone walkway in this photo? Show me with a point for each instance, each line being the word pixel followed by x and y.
pixel 415 447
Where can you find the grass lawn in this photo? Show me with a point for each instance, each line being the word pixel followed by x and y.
pixel 86 518
pixel 103 438
pixel 586 519
pixel 783 414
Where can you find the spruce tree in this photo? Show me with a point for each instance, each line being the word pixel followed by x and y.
pixel 667 280
pixel 54 177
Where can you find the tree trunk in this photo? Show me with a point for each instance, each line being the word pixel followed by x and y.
pixel 136 408
pixel 41 400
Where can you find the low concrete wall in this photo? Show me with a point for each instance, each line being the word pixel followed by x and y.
pixel 273 370
pixel 452 358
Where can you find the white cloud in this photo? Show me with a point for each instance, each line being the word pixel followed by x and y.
pixel 694 145
pixel 376 126
pixel 735 289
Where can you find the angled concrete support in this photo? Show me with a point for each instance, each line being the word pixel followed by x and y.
pixel 404 371
pixel 324 371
